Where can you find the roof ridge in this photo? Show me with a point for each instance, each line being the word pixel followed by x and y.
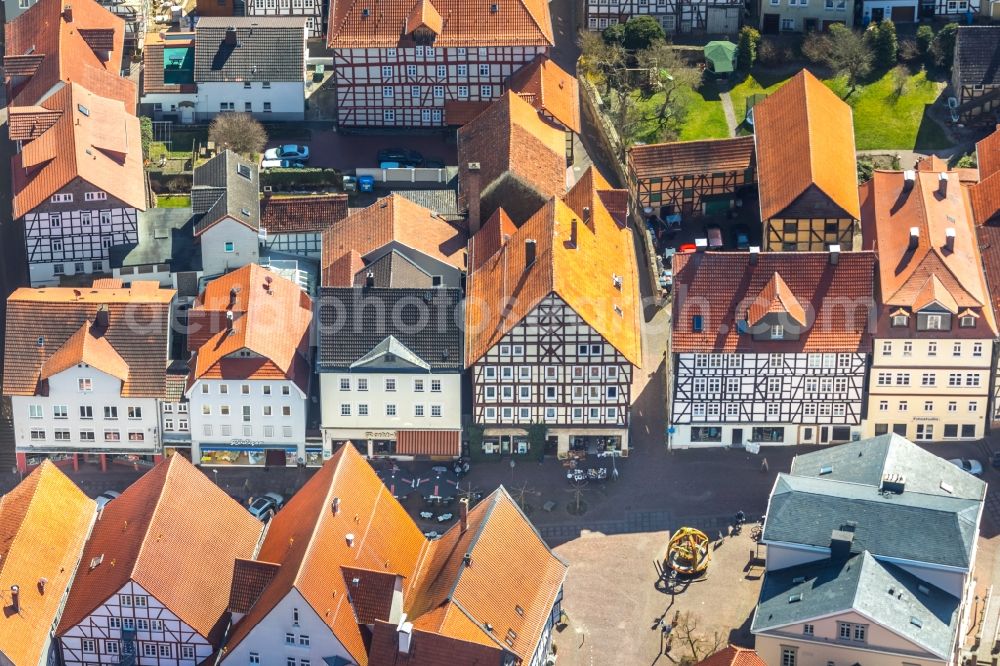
pixel 472 542
pixel 152 517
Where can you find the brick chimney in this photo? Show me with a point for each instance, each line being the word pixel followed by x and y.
pixel 473 188
pixel 67 13
pixel 463 515
pixel 530 250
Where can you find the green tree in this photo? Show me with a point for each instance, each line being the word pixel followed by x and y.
pixel 967 161
pixel 866 167
pixel 900 80
pixel 614 34
pixel 239 132
pixel 536 440
pixel 746 48
pixel 843 50
pixel 943 47
pixel 146 135
pixel 884 43
pixel 925 39
pixel 641 32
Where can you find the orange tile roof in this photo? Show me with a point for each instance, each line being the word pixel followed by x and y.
pixel 44 522
pixel 488 240
pixel 988 154
pixel 429 649
pixel 30 122
pixel 177 535
pixel 681 158
pixel 94 140
pixel 510 139
pixel 805 138
pixel 392 218
pixel 986 193
pixel 88 345
pixel 461 112
pixel 716 286
pixel 733 656
pixel 62 320
pixel 549 88
pixel 271 317
pixel 988 236
pixel 776 297
pixel 389 23
pixel 42 30
pixel 503 290
pixel 890 210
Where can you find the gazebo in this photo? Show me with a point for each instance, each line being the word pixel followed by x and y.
pixel 720 57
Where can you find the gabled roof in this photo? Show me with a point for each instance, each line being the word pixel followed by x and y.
pixel 715 291
pixel 88 345
pixel 44 522
pixel 155 77
pixel 94 140
pixel 384 24
pixel 44 45
pixel 359 323
pixel 550 89
pixel 151 535
pixel 52 327
pixel 226 186
pixel 776 297
pixel 428 649
pixel 393 269
pixel 985 194
pixel 391 219
pixel 271 318
pixel 490 238
pixel 583 271
pixel 932 206
pixel 977 54
pixel 301 214
pixel 884 593
pixel 804 138
pixel 733 656
pixel 659 160
pixel 272 49
pixel 393 349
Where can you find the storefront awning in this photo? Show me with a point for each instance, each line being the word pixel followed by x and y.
pixel 428 443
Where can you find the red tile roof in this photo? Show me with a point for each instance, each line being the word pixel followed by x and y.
pixel 152 65
pixel 721 288
pixel 44 522
pixel 370 592
pixel 908 278
pixel 733 656
pixel 429 443
pixel 988 154
pixel 301 214
pixel 503 290
pixel 488 240
pixel 159 535
pixel 461 112
pixel 389 23
pixel 429 649
pixel 804 138
pixel 776 297
pixel 94 140
pixel 682 158
pixel 30 122
pixel 133 347
pixel 43 30
pixel 986 193
pixel 550 89
pixel 250 577
pixel 271 317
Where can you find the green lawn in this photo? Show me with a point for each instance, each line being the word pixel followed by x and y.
pixel 881 121
pixel 173 200
pixel 704 120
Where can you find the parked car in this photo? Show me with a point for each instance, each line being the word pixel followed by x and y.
pixel 104 498
pixel 289 151
pixel 973 467
pixel 281 164
pixel 405 158
pixel 742 234
pixel 266 506
pixel 714 234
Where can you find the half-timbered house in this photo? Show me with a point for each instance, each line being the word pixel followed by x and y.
pixel 401 598
pixel 687 176
pixel 78 181
pixel 509 156
pixel 975 77
pixel 715 17
pixel 770 348
pixel 985 196
pixel 85 370
pixel 418 63
pixel 153 584
pixel 806 171
pixel 294 225
pixel 933 347
pixel 552 334
pixel 45 522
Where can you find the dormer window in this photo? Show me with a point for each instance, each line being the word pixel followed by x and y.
pixel 900 320
pixel 933 321
pixel 777 332
pixel 967 321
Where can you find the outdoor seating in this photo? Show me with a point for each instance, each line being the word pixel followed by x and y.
pixel 444 517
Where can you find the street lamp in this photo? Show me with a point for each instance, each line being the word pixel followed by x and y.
pixel 512 465
pixel 215 473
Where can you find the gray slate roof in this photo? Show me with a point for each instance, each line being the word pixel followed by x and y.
pixel 924 523
pixel 861 583
pixel 977 54
pixel 165 237
pixel 221 188
pixel 394 269
pixel 267 49
pixel 354 321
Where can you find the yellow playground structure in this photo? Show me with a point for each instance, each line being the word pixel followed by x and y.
pixel 688 552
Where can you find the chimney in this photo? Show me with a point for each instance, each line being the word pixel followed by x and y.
pixel 405 635
pixel 573 232
pixel 840 542
pixel 102 317
pixel 943 184
pixel 232 296
pixel 350 540
pixel 463 515
pixel 336 505
pixel 370 279
pixel 909 176
pixel 472 197
pixel 229 320
pixel 230 38
pixel 754 255
pixel 700 244
pixel 914 237
pixel 15 598
pixel 467 559
pixel 586 215
pixel 834 255
pixel 949 239
pixel 530 248
pixel 68 13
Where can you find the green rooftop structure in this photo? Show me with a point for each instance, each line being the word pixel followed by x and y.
pixel 178 64
pixel 721 57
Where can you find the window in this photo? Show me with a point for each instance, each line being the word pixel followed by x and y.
pixel 229 246
pixel 484 70
pixel 977 349
pixel 227 106
pixel 902 379
pixel 973 406
pixel 925 432
pixel 442 71
pixel 85 384
pixel 345 409
pixel 303 640
pixel 86 435
pixel 246 413
pixel 927 379
pixel 900 320
pixel 254 658
pixel 436 385
pixel 111 647
pixel 267 107
pixel 886 351
pixel 390 409
pixel 418 385
pixel 486 92
pixel 884 378
pixel 954 379
pixel 463 92
pixel 883 405
pixel 787 24
pixel 386 71
pixel 463 70
pixel 114 623
pixel 928 405
pixel 94 196
pixel 972 379
pixel 187 652
pixel 148 649
pixel 438 92
pixel 345 383
pixel 62 435
pixel 952 406
pixel 386 92
pixel 967 321
pixel 808 629
pixel 134 413
pixel 788 654
pixel 777 332
pixel 903 406
pixel 125 600
pixel 436 410
pixel 388 116
pixel 61 198
pixel 35 411
pixel 112 436
pixel 286 410
pixel 290 639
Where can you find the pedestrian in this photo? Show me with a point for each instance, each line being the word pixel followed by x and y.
pixel 763 466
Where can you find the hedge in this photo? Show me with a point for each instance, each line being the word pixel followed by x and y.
pixel 298 179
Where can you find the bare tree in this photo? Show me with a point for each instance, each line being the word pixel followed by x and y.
pixel 603 61
pixel 692 644
pixel 577 490
pixel 670 76
pixel 521 493
pixel 843 50
pixel 238 132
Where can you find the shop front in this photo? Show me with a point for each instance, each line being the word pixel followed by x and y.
pixel 28 460
pixel 398 444
pixel 738 435
pixel 561 441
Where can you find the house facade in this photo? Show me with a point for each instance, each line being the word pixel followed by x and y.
pixel 294 225
pixel 803 16
pixel 975 82
pixel 674 16
pixel 86 370
pixel 985 197
pixel 770 348
pixel 310 10
pixel 388 385
pixel 806 171
pixel 932 352
pixel 225 198
pixel 536 354
pixel 250 371
pixel 425 60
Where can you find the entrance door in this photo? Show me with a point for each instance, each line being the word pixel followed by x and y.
pixel 737 436
pixel 824 435
pixel 772 24
pixel 186 114
pixel 904 14
pixel 504 444
pixel 878 13
pixel 810 25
